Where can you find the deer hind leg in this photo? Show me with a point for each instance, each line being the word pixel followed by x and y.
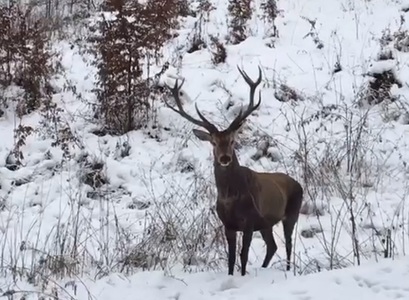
pixel 288 226
pixel 291 217
pixel 271 245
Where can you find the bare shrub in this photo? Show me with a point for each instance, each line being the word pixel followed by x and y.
pixel 182 228
pixel 313 33
pixel 338 174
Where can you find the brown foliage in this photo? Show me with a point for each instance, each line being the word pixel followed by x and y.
pixel 136 31
pixel 25 59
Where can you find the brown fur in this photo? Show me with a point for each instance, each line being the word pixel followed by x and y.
pixel 247 201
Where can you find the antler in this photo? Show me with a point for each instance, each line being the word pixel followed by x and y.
pixel 241 117
pixel 203 122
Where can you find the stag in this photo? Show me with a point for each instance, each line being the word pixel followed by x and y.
pixel 247 201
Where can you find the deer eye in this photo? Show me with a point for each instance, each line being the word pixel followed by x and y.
pixel 231 142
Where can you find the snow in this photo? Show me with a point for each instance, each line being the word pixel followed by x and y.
pixel 46 210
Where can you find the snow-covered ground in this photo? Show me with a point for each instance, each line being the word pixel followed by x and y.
pixel 385 280
pixel 48 214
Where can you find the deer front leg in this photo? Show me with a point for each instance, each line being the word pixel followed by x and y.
pixel 244 255
pixel 231 241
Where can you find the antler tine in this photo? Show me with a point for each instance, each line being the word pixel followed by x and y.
pixel 211 127
pixel 202 123
pixel 241 117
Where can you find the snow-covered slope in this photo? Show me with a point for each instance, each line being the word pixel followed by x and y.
pixel 159 195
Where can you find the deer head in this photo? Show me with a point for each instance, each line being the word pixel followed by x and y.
pixel 222 141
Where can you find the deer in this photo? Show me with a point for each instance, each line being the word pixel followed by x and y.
pixel 247 201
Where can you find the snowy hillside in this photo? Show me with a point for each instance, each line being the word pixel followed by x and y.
pixel 144 201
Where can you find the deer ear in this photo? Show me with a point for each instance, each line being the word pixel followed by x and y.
pixel 202 135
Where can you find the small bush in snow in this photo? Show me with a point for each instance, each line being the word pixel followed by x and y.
pixel 53 125
pixel 284 94
pixel 122 150
pixel 385 54
pixel 15 158
pixel 399 39
pixel 92 171
pixel 220 54
pixel 94 177
pixel 266 147
pixel 380 84
pixel 310 232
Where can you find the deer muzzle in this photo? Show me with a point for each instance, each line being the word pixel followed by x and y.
pixel 225 160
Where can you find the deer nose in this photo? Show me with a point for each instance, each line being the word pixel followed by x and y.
pixel 225 160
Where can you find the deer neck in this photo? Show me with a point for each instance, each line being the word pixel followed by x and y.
pixel 228 178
